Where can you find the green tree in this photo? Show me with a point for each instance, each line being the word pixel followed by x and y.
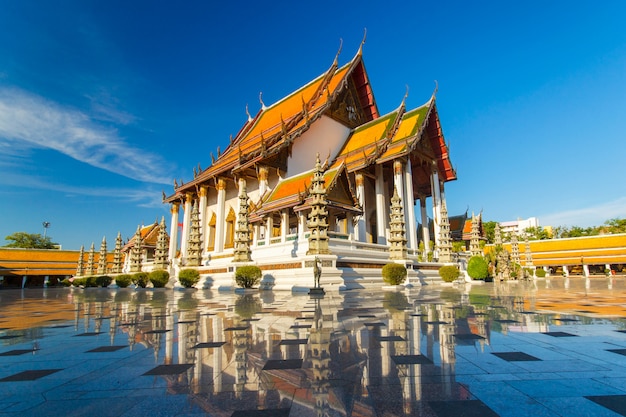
pixel 616 225
pixel 29 241
pixel 537 233
pixel 490 231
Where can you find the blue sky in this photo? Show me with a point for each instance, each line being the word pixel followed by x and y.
pixel 104 103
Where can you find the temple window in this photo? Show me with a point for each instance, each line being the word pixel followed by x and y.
pixel 230 229
pixel 211 233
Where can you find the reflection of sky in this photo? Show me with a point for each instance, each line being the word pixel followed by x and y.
pixel 346 342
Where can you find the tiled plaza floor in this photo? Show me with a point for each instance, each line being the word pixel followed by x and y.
pixel 546 348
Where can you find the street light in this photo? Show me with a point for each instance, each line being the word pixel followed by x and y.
pixel 45 228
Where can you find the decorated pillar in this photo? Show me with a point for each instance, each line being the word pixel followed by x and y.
pixel 102 258
pixel 381 208
pixel 194 245
pixel 362 221
pixel 80 268
pixel 242 229
pixel 410 207
pixel 425 229
pixel 528 253
pixel 117 255
pixel 173 246
pixel 220 215
pixel 135 252
pixel 475 237
pixel 184 241
pixel 397 235
pixel 445 242
pixel 161 252
pixel 318 225
pixel 515 249
pixel 202 193
pixel 90 261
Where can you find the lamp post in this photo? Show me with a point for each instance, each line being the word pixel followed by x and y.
pixel 45 228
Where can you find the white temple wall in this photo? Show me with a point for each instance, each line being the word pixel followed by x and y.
pixel 324 136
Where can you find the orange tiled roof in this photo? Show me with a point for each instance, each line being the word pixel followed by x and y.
pixel 287 191
pixel 408 132
pixel 366 141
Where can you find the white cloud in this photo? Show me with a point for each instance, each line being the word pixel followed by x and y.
pixel 142 197
pixel 28 120
pixel 587 217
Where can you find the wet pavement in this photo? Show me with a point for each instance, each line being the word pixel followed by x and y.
pixel 547 348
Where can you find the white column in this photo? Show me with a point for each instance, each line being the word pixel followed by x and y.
pixel 186 225
pixel 411 227
pixel 434 184
pixel 360 193
pixel 203 220
pixel 565 271
pixel 263 183
pixel 46 281
pixel 398 171
pixel 174 209
pixel 350 221
pixel 269 226
pixel 220 216
pixel 425 230
pixel 586 270
pixel 284 225
pixel 301 225
pixel 381 207
pixel 257 231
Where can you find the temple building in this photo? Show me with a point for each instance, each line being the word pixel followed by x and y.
pixel 313 175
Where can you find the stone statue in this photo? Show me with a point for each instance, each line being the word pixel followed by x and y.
pixel 317 271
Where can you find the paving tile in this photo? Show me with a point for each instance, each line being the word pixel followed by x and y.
pixel 17 352
pixel 616 403
pixel 107 349
pixel 277 412
pixel 411 360
pixel 515 356
pixel 157 331
pixel 283 364
pixel 468 408
pixel 169 369
pixel 88 334
pixel 390 339
pixel 301 326
pixel 209 345
pixel 290 342
pixel 507 321
pixel 236 328
pixel 29 375
pixel 560 334
pixel 468 336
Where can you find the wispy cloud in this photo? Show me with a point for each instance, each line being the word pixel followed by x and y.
pixel 28 120
pixel 146 197
pixel 594 215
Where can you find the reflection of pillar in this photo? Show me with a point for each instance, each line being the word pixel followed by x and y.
pixel 173 233
pixel 381 208
pixel 169 339
pixel 360 193
pixel 186 225
pixel 218 332
pixel 425 229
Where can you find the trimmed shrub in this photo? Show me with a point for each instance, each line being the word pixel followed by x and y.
pixel 248 276
pixel 540 273
pixel 140 279
pixel 90 282
pixel 66 282
pixel 103 281
pixel 449 273
pixel 188 277
pixel 477 267
pixel 77 282
pixel 123 280
pixel 394 274
pixel 159 278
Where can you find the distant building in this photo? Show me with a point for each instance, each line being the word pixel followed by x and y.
pixel 518 226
